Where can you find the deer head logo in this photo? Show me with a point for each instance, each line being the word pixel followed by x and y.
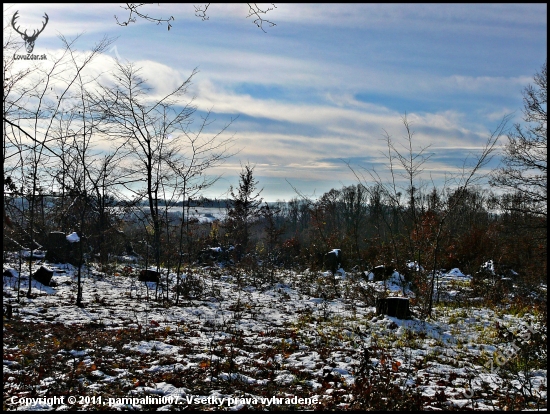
pixel 29 40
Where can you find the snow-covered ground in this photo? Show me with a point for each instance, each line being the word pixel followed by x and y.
pixel 242 338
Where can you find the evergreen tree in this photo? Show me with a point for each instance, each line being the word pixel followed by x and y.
pixel 245 207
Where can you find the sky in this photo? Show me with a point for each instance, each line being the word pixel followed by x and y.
pixel 312 98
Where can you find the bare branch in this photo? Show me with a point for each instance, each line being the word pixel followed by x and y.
pixel 254 10
pixel 133 9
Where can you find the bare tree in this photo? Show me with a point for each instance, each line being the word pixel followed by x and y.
pixel 408 216
pixel 524 169
pixel 165 152
pixel 12 148
pixel 469 176
pixel 406 165
pixel 144 128
pixel 197 153
pixel 30 123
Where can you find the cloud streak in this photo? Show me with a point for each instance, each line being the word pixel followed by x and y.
pixel 330 80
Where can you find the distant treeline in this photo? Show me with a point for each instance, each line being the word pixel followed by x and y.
pixel 49 200
pixel 199 202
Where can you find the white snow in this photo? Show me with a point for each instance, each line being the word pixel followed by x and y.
pixel 73 237
pixel 455 272
pixel 241 330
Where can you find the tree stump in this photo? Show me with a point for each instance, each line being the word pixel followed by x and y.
pixel 147 275
pixel 43 275
pixel 333 260
pixel 396 307
pixel 56 247
pixel 381 273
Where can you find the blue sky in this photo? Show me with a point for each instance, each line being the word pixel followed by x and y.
pixel 322 86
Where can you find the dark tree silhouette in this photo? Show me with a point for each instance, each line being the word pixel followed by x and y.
pixel 245 206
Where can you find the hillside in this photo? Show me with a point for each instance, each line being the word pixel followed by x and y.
pixel 264 340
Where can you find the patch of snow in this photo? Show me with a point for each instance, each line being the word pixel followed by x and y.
pixel 415 266
pixel 36 254
pixel 73 237
pixel 10 271
pixel 285 378
pixel 489 265
pixel 147 347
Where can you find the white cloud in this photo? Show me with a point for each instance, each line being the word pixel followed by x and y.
pixel 338 76
pixel 429 16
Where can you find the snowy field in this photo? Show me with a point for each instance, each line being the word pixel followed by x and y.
pixel 261 340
